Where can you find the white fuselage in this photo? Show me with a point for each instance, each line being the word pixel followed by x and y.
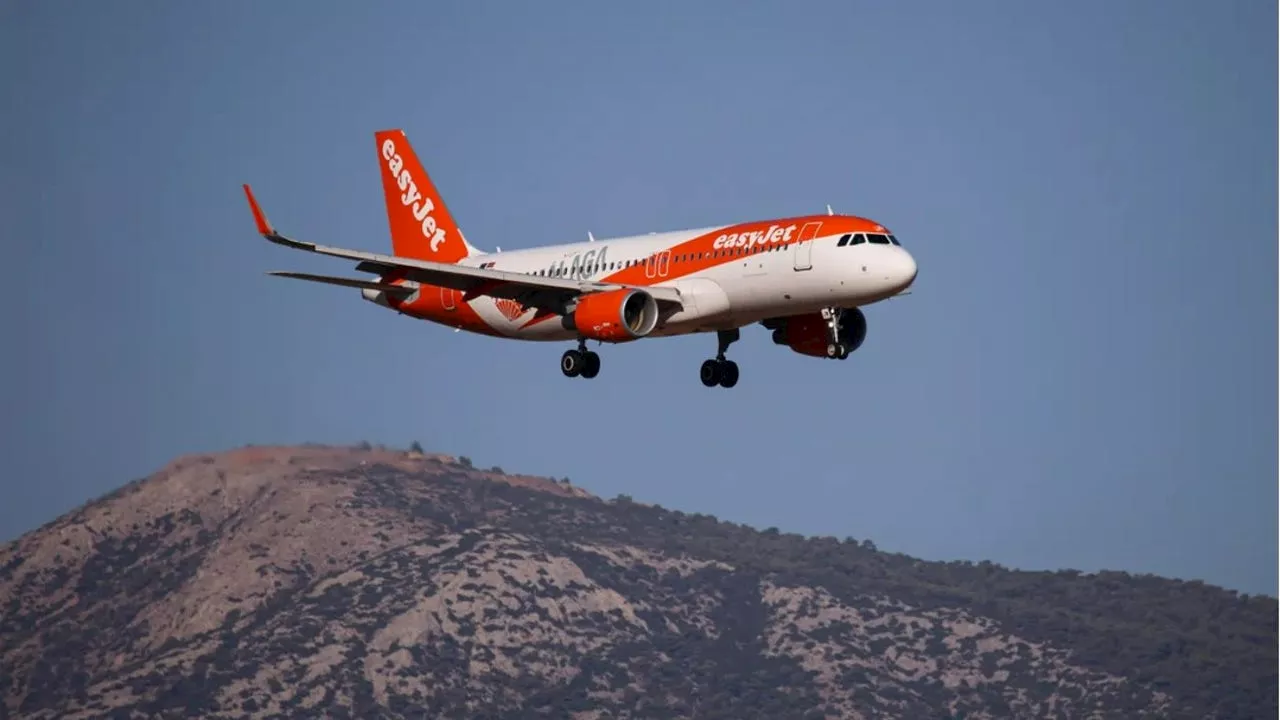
pixel 774 281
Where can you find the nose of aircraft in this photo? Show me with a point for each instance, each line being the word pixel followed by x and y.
pixel 904 270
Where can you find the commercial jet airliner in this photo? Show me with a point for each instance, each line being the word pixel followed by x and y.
pixel 805 278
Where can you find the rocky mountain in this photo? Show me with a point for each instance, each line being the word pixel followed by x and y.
pixel 362 583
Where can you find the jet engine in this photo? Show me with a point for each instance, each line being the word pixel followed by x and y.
pixel 807 334
pixel 616 315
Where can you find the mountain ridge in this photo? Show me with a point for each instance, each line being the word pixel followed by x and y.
pixel 372 581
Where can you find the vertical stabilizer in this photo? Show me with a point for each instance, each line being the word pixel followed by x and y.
pixel 421 225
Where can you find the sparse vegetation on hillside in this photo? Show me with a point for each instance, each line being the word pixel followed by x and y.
pixel 318 586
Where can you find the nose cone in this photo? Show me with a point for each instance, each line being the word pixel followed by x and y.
pixel 908 269
pixel 902 271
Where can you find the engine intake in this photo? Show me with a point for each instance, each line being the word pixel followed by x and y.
pixel 616 315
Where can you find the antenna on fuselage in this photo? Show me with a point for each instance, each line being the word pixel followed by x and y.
pixel 590 237
pixel 829 209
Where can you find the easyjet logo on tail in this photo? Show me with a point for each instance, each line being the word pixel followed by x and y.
pixel 411 196
pixel 774 234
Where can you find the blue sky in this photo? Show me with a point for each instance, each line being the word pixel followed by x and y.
pixel 1085 375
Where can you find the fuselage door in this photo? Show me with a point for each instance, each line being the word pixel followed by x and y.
pixel 804 245
pixel 657 265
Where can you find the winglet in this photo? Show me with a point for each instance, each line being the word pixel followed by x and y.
pixel 259 217
pixel 269 232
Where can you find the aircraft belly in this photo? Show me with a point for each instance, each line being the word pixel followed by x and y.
pixel 705 300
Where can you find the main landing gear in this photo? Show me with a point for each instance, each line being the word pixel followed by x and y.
pixel 837 348
pixel 720 371
pixel 580 362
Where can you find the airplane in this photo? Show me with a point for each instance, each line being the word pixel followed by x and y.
pixel 804 278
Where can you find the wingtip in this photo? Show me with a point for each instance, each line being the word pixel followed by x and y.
pixel 259 217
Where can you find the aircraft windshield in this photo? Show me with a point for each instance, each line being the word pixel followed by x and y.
pixel 874 238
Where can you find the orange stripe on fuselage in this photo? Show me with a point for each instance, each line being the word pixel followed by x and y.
pixel 438 304
pixel 699 254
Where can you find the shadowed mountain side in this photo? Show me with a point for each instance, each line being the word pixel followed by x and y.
pixel 340 582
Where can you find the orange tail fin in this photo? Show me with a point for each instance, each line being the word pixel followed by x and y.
pixel 421 226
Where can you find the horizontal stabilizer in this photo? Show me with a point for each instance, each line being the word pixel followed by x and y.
pixel 345 282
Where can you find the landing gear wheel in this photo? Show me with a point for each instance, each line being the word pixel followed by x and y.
pixel 718 370
pixel 710 373
pixel 837 351
pixel 590 364
pixel 571 363
pixel 728 373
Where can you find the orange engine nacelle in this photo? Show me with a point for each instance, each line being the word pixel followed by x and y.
pixel 807 334
pixel 616 316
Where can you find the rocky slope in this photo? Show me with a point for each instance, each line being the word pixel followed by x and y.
pixel 341 582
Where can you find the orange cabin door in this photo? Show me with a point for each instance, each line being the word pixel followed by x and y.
pixel 804 245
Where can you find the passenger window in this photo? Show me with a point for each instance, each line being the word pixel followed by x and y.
pixel 844 240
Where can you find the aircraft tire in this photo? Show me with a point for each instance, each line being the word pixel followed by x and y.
pixel 710 373
pixel 728 374
pixel 571 363
pixel 590 364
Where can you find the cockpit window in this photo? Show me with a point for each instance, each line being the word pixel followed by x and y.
pixel 894 240
pixel 858 239
pixel 844 240
pixel 877 239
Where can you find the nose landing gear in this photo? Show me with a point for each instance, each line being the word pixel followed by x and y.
pixel 721 371
pixel 837 348
pixel 580 362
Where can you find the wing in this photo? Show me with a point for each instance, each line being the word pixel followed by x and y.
pixel 544 293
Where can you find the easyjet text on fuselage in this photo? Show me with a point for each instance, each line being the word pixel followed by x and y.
pixel 749 239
